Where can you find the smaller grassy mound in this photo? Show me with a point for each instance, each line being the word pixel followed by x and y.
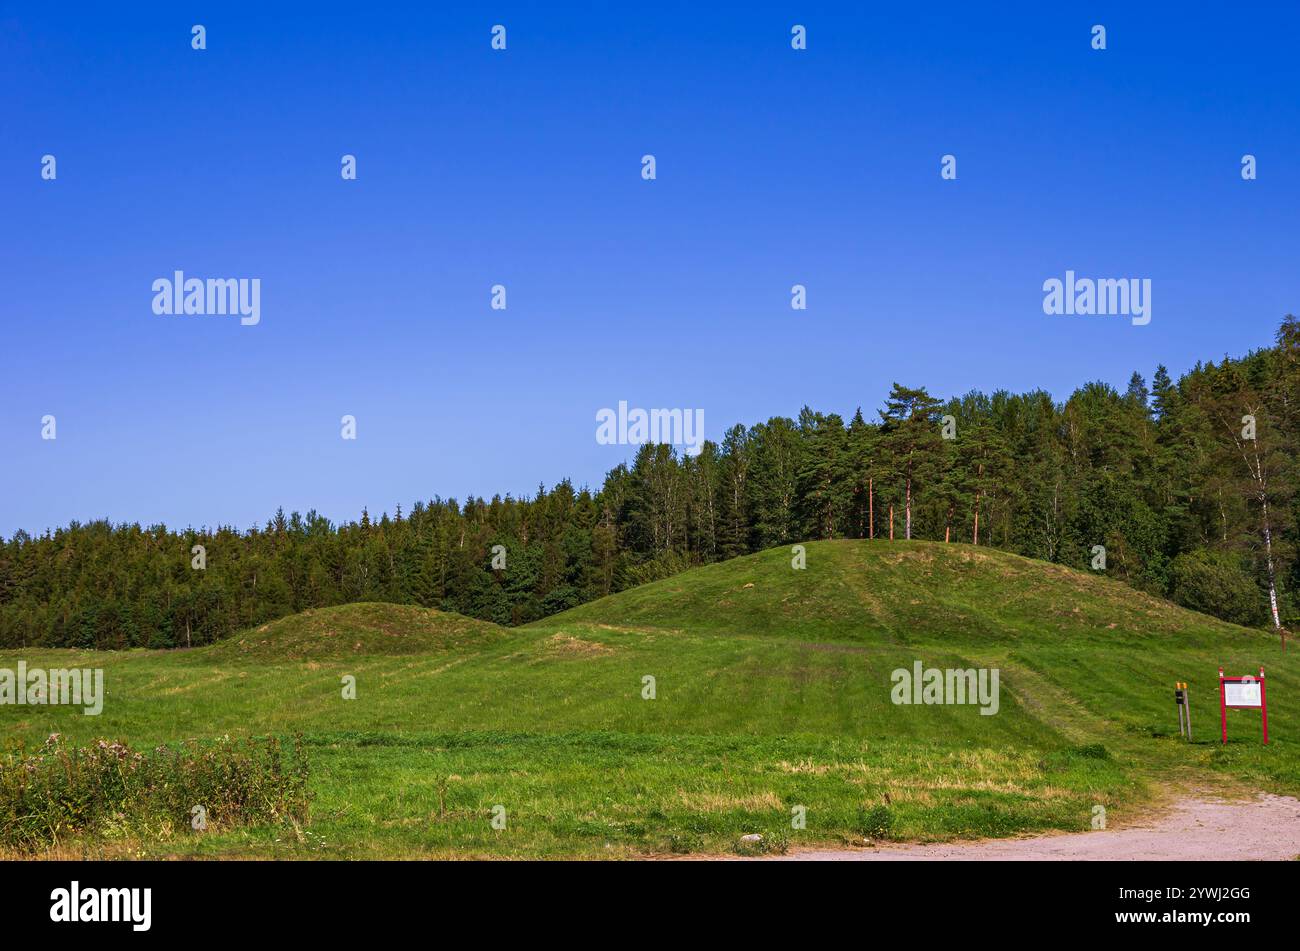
pixel 365 629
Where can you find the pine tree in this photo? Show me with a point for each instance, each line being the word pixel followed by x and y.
pixel 911 434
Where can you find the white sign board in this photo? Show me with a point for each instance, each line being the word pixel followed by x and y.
pixel 1242 695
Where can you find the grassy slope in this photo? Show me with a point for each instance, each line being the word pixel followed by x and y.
pixel 358 630
pixel 905 593
pixel 773 691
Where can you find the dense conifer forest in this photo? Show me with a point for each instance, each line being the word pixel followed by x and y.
pixel 1188 485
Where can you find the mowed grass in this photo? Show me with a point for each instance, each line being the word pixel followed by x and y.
pixel 358 630
pixel 772 692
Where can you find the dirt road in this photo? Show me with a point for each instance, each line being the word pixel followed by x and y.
pixel 1266 827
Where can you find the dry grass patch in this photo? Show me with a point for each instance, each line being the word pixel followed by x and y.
pixel 722 802
pixel 572 646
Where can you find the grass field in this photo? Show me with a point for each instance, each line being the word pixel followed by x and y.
pixel 773 691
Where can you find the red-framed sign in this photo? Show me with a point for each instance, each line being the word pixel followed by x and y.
pixel 1243 693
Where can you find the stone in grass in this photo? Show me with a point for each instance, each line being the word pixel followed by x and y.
pixel 752 838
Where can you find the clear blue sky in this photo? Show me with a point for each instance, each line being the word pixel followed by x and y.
pixel 775 167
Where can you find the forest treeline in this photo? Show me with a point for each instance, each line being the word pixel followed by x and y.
pixel 1188 485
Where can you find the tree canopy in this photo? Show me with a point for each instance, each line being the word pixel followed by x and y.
pixel 1188 485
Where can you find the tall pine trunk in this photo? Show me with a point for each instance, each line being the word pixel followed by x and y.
pixel 871 506
pixel 907 520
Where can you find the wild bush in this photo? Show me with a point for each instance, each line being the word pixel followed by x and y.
pixel 59 792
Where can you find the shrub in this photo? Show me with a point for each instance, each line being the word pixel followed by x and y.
pixel 876 822
pixel 60 792
pixel 1214 583
pixel 684 843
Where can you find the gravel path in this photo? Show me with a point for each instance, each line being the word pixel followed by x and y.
pixel 1266 827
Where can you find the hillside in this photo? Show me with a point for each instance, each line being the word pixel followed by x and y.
pixel 367 629
pixel 682 714
pixel 913 592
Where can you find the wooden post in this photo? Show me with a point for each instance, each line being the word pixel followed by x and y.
pixel 891 521
pixel 1263 705
pixel 1223 707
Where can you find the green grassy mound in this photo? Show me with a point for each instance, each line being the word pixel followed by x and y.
pixel 905 593
pixel 366 629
